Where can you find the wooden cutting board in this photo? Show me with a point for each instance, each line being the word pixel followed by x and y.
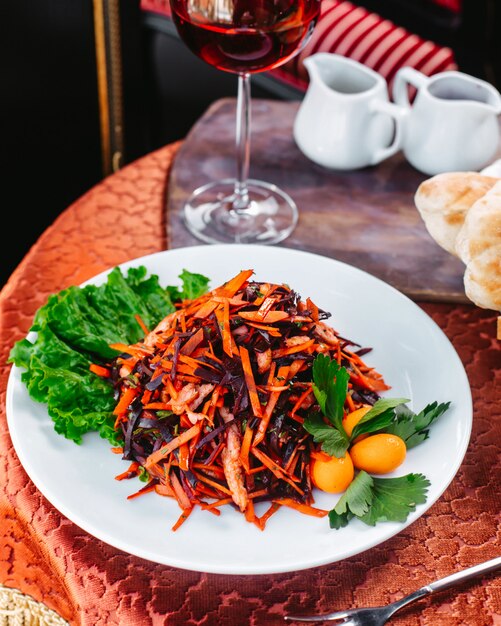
pixel 366 218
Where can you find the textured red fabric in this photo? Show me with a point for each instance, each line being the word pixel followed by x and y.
pixel 92 584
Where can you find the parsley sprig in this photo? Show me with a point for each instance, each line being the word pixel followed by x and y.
pixel 375 500
pixel 368 498
pixel 412 428
pixel 330 386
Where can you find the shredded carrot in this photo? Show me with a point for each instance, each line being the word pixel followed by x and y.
pixel 266 516
pixel 140 492
pixel 182 319
pixel 170 387
pixel 212 483
pixel 214 470
pixel 99 370
pixel 245 447
pixel 300 318
pixel 265 307
pixel 276 469
pixel 271 373
pixel 302 508
pixel 350 403
pixel 249 511
pixel 251 385
pixel 228 346
pixel 266 289
pixel 133 350
pixel 194 363
pixel 143 326
pixel 371 383
pixel 289 466
pixel 206 309
pixel 272 330
pixel 257 494
pixel 220 502
pixel 127 397
pixel 257 469
pixel 184 457
pixel 318 454
pixel 272 401
pixel 231 287
pixel 126 366
pixel 277 354
pixel 158 406
pixel 204 490
pixel 182 518
pixel 172 445
pixel 273 387
pixel 312 307
pixel 301 399
pixel 296 366
pixel 179 492
pixel 132 471
pixel 193 342
pixel 269 318
pixel 164 490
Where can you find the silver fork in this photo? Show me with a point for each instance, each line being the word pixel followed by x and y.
pixel 379 615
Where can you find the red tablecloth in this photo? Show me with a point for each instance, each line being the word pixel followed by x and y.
pixel 90 583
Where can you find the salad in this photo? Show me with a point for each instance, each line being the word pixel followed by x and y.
pixel 226 397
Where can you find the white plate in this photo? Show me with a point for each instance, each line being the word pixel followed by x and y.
pixel 409 349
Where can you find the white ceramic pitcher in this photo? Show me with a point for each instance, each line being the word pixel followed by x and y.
pixel 452 124
pixel 346 120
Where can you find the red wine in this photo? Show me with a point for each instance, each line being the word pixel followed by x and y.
pixel 245 36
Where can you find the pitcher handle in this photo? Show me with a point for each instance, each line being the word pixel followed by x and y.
pixel 397 113
pixel 405 76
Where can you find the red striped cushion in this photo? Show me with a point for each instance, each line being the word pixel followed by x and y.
pixel 355 32
pixel 163 7
pixel 452 5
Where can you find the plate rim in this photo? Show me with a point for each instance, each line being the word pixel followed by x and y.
pixel 55 501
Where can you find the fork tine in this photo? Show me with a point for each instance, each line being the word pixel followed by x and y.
pixel 329 617
pixel 317 619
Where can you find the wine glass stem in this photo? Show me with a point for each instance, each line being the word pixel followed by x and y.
pixel 241 201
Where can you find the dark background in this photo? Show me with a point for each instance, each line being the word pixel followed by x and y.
pixel 50 148
pixel 50 145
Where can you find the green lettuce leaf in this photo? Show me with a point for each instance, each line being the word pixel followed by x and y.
pixel 194 285
pixel 74 329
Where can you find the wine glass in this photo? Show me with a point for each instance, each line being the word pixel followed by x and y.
pixel 243 37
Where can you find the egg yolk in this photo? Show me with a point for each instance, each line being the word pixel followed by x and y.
pixel 378 454
pixel 331 474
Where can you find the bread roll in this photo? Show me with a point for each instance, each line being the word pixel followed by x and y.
pixel 444 200
pixel 478 245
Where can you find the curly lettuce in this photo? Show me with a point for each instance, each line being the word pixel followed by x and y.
pixel 75 328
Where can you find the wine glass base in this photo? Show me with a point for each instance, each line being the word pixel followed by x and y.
pixel 270 216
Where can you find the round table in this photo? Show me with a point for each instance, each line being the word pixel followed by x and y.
pixel 87 582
